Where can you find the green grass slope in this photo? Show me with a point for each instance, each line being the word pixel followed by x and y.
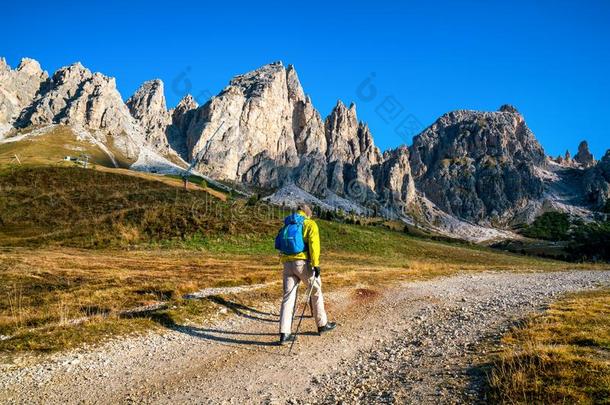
pixel 72 206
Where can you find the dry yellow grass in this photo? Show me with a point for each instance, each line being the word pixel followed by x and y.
pixel 562 356
pixel 41 289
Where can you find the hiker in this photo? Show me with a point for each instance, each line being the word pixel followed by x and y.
pixel 299 245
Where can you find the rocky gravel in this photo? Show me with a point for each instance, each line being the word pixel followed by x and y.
pixel 421 342
pixel 438 355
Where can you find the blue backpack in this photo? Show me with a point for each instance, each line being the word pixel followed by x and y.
pixel 289 240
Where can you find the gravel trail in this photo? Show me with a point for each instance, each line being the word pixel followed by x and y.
pixel 421 342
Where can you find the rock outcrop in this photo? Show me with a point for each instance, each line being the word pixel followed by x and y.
pixel 584 157
pixel 478 166
pixel 264 131
pixel 394 182
pixel 148 107
pixel 76 96
pixel 351 153
pixel 261 130
pixel 18 87
pixel 246 133
pixel 597 182
pixel 182 116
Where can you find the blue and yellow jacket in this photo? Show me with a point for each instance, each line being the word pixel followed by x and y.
pixel 311 237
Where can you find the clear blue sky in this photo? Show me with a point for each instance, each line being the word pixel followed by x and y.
pixel 551 59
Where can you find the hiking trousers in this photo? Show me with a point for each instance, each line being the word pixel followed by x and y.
pixel 295 272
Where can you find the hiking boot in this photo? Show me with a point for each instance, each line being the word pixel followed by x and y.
pixel 326 328
pixel 286 337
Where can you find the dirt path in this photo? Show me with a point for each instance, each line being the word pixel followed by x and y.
pixel 421 342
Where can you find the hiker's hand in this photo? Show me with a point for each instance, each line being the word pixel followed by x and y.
pixel 316 271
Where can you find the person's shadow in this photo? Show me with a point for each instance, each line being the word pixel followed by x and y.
pixel 233 337
pixel 229 337
pixel 244 311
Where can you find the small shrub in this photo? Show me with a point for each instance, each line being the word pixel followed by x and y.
pixel 549 226
pixel 591 242
pixel 253 199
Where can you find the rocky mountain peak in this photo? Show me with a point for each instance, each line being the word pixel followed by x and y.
pixel 584 157
pixel 181 117
pixel 350 152
pixel 596 182
pixel 71 75
pixel 256 128
pixel 478 165
pixel 151 89
pixel 27 66
pixel 147 102
pixel 183 113
pixel 509 109
pixel 147 105
pixel 295 90
pixel 394 180
pixel 254 83
pixel 18 87
pixel 342 134
pixel 186 103
pixel 76 96
pixel 262 129
pixel 30 67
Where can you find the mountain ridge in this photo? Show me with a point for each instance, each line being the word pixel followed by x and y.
pixel 262 131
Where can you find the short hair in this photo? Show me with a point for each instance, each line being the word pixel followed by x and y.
pixel 305 208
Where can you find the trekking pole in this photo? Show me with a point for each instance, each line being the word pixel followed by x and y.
pixel 310 307
pixel 302 315
pixel 296 299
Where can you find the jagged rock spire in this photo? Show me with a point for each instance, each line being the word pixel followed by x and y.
pixel 183 113
pixel 181 117
pixel 342 134
pixel 584 157
pixel 187 102
pixel 147 105
pixel 394 180
pixel 351 152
